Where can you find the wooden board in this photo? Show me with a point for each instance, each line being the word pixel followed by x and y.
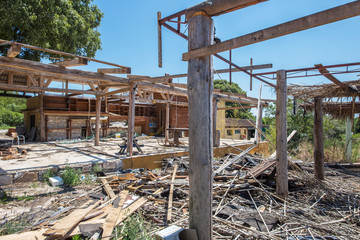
pixel 63 226
pixel 32 235
pixel 108 189
pixel 111 219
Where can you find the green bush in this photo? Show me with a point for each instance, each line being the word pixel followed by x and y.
pixel 48 174
pixel 71 176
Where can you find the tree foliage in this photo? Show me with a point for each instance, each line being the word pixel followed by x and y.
pixel 10 111
pixel 64 25
pixel 225 86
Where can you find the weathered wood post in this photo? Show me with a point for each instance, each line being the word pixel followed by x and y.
pixel 348 144
pixel 216 138
pixel 281 136
pixel 42 127
pixel 200 89
pixel 97 121
pixel 167 122
pixel 318 139
pixel 131 119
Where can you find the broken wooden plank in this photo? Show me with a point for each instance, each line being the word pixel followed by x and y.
pixel 131 209
pixel 114 70
pixel 113 216
pixel 169 211
pixel 108 189
pixel 14 51
pixel 72 62
pixel 64 226
pixel 32 235
pixel 262 167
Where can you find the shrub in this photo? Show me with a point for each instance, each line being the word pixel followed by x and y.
pixel 71 176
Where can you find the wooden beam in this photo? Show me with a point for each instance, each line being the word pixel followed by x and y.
pixel 159 40
pixel 14 51
pixel 171 195
pixel 242 107
pixel 200 87
pixel 48 70
pixel 314 20
pixel 318 140
pixel 47 83
pixel 131 119
pixel 329 76
pixel 218 7
pixel 348 141
pixel 114 70
pixel 42 127
pixel 281 136
pixel 10 78
pixel 121 90
pixel 21 88
pixel 97 122
pixel 33 80
pixel 93 88
pixel 72 62
pixel 5 42
pixel 167 122
pixel 216 140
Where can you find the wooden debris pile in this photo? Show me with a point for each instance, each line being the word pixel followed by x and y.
pixel 244 202
pixel 7 153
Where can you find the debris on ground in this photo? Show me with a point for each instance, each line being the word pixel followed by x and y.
pixel 245 205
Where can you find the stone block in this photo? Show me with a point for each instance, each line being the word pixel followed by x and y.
pixel 26 177
pixel 6 180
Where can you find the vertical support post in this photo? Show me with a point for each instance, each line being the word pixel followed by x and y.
pixel 131 119
pixel 318 139
pixel 167 122
pixel 281 136
pixel 216 138
pixel 97 121
pixel 348 143
pixel 200 89
pixel 258 118
pixel 230 66
pixel 42 128
pixel 159 40
pixel 251 71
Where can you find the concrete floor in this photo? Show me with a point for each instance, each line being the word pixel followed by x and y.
pixel 51 154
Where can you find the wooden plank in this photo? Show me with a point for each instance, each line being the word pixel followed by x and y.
pixel 10 78
pixel 171 195
pixel 131 119
pixel 200 88
pixel 348 141
pixel 14 50
pixel 58 72
pixel 93 88
pixel 47 83
pixel 131 209
pixel 318 140
pixel 281 136
pixel 262 167
pixel 63 226
pixel 114 70
pixel 167 122
pixel 111 219
pixel 108 189
pixel 218 7
pixel 329 76
pixel 311 21
pixel 32 235
pixel 72 62
pixel 159 40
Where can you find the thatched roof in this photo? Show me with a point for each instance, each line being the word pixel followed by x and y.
pixel 338 109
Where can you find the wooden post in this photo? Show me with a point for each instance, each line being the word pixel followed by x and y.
pixel 42 127
pixel 216 138
pixel 258 118
pixel 159 40
pixel 348 134
pixel 318 140
pixel 131 119
pixel 167 122
pixel 281 136
pixel 97 121
pixel 200 88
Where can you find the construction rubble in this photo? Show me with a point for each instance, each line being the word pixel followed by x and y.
pixel 245 205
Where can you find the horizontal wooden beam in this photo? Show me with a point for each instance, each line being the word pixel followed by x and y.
pixel 38 68
pixel 218 7
pixel 114 70
pixel 21 88
pixel 314 20
pixel 14 50
pixel 72 62
pixel 14 95
pixel 126 89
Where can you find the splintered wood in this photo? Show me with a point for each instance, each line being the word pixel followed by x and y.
pixel 245 204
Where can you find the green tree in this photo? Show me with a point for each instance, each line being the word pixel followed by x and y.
pixel 10 111
pixel 225 86
pixel 64 25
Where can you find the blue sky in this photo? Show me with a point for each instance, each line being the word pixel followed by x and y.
pixel 129 37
